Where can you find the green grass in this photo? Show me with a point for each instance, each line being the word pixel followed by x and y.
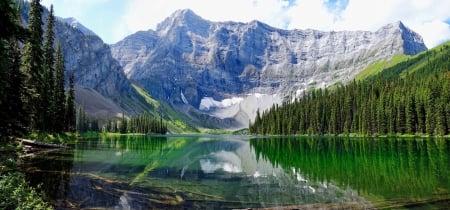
pixel 146 96
pixel 420 61
pixel 93 134
pixel 335 85
pixel 215 131
pixel 176 122
pixel 378 66
pixel 54 138
pixel 420 65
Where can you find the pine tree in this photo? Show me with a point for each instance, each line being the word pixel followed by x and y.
pixel 418 102
pixel 15 119
pixel 18 118
pixel 48 93
pixel 430 117
pixel 441 122
pixel 82 121
pixel 70 105
pixel 59 94
pixel 420 110
pixel 411 115
pixel 123 124
pixel 32 65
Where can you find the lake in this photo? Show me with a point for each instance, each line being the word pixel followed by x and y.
pixel 226 172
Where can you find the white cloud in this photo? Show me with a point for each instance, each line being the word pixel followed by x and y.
pixel 434 32
pixel 71 8
pixel 143 14
pixel 427 17
pixel 311 14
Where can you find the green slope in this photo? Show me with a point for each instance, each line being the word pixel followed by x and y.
pixel 437 54
pixel 175 121
pixel 403 65
pixel 408 95
pixel 378 66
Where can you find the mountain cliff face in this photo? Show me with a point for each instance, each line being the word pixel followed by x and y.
pixel 228 70
pixel 96 71
pixel 91 61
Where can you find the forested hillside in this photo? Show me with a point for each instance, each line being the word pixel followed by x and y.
pixel 412 97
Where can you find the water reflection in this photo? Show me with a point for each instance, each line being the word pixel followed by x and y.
pixel 386 170
pixel 52 173
pixel 223 172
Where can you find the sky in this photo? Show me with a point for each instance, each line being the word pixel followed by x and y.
pixel 113 20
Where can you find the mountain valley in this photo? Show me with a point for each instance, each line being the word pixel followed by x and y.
pixel 220 73
pixel 198 73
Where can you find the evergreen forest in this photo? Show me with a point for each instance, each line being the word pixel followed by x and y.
pixel 34 97
pixel 32 93
pixel 143 124
pixel 412 97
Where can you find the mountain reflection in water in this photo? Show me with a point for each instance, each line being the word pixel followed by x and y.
pixel 224 171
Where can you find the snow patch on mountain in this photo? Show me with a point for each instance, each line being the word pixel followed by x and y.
pixel 183 98
pixel 208 103
pixel 242 109
pixel 215 61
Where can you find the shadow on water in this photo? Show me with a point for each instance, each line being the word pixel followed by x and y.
pixel 223 172
pixel 391 172
pixel 53 177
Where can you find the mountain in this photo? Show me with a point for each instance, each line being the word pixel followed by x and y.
pixel 220 73
pixel 410 97
pixel 100 83
pixel 97 71
pixel 74 23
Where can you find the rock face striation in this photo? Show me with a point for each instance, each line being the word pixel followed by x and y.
pixel 215 68
pixel 96 71
pixel 90 59
pixel 100 82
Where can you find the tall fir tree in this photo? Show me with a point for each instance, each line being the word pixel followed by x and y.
pixel 59 94
pixel 32 65
pixel 48 93
pixel 416 103
pixel 82 121
pixel 70 104
pixel 14 119
pixel 123 124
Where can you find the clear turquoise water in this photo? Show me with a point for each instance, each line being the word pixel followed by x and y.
pixel 225 172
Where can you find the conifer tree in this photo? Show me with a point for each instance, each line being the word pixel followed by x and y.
pixel 82 121
pixel 32 65
pixel 411 117
pixel 14 118
pixel 385 104
pixel 48 93
pixel 123 124
pixel 59 94
pixel 70 105
pixel 441 122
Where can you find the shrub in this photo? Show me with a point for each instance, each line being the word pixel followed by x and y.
pixel 15 193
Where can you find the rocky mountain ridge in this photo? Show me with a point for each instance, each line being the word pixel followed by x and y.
pixel 200 67
pixel 74 23
pixel 95 69
pixel 97 73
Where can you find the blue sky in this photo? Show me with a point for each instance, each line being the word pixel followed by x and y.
pixel 336 5
pixel 112 20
